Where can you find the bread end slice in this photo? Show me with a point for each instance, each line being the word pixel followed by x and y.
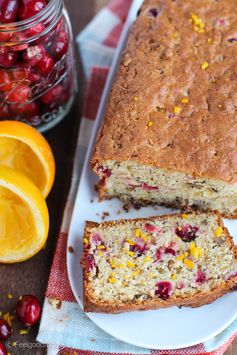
pixel 142 264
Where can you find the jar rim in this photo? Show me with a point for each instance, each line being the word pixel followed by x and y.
pixel 52 11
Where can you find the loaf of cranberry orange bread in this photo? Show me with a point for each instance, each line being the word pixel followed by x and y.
pixel 183 260
pixel 170 129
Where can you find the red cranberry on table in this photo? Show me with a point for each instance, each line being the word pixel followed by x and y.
pixel 3 350
pixel 8 10
pixel 5 330
pixel 29 8
pixel 28 310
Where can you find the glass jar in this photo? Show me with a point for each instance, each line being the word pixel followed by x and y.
pixel 37 69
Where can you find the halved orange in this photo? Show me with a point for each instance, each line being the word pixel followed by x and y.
pixel 23 148
pixel 24 218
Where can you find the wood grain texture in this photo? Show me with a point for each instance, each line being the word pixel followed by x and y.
pixel 32 276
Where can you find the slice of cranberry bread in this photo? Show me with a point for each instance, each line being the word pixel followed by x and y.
pixel 183 260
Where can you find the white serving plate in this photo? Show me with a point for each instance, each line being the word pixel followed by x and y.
pixel 171 328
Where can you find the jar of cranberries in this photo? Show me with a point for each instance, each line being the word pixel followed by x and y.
pixel 37 72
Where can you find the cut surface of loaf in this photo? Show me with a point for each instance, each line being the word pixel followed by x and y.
pixel 183 260
pixel 169 133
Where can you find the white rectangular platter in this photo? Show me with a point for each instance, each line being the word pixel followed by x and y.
pixel 171 328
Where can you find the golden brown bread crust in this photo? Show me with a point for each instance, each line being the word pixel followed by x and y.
pixel 195 301
pixel 92 304
pixel 161 66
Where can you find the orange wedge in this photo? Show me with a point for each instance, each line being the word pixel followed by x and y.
pixel 24 218
pixel 23 148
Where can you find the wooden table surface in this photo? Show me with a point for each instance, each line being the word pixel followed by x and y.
pixel 31 277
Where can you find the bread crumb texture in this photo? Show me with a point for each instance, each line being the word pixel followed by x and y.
pixel 143 185
pixel 160 258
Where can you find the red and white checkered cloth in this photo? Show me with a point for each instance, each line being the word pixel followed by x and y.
pixel 67 329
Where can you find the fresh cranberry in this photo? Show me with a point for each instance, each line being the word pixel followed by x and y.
pixel 20 74
pixel 89 261
pixel 4 112
pixel 163 290
pixel 5 330
pixel 140 247
pixel 18 38
pixel 8 57
pixel 60 45
pixel 8 10
pixel 45 65
pixel 29 8
pixel 33 77
pixel 187 233
pixel 5 36
pixel 59 25
pixel 20 94
pixel 107 172
pixel 28 310
pixel 3 350
pixel 32 55
pixel 200 277
pixel 35 30
pixel 30 108
pixel 34 120
pixel 5 82
pixel 54 95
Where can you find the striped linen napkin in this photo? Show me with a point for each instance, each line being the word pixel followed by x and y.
pixel 64 327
